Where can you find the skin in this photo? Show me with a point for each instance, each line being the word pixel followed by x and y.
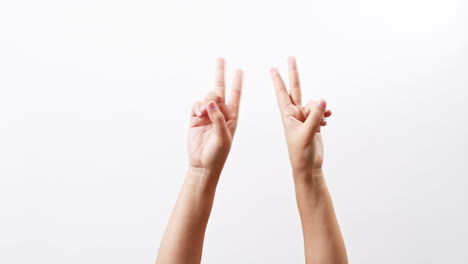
pixel 323 242
pixel 212 126
pixel 213 123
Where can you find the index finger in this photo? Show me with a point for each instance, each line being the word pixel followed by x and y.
pixel 281 93
pixel 219 78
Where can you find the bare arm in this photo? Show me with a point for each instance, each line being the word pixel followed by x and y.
pixel 185 232
pixel 212 126
pixel 323 242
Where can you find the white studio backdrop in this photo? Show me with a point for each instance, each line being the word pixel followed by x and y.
pixel 94 105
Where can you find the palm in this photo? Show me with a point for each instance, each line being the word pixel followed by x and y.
pixel 208 147
pixel 313 145
pixel 301 123
pixel 203 143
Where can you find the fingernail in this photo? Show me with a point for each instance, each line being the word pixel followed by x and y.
pixel 211 106
pixel 321 104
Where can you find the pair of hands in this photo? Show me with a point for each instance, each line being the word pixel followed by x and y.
pixel 213 124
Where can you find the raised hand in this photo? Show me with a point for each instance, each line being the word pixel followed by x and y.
pixel 213 123
pixel 301 123
pixel 212 127
pixel 323 242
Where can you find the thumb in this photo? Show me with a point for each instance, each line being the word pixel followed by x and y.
pixel 217 118
pixel 314 118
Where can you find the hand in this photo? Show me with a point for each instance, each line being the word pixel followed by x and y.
pixel 301 123
pixel 213 123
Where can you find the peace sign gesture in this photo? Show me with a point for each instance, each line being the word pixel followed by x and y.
pixel 212 126
pixel 301 123
pixel 213 123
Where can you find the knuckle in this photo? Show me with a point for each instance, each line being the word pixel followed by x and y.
pixel 236 91
pixel 282 88
pixel 310 105
pixel 196 106
pixel 211 96
pixel 291 109
pixel 220 83
pixel 296 84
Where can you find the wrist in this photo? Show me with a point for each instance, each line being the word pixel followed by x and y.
pixel 309 187
pixel 308 177
pixel 202 179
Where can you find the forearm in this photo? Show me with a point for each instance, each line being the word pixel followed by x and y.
pixel 323 242
pixel 185 232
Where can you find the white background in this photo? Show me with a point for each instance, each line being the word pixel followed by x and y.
pixel 94 105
